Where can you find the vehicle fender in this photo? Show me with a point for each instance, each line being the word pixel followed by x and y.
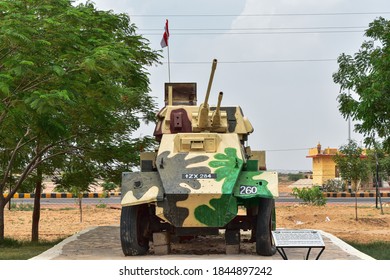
pixel 252 184
pixel 141 187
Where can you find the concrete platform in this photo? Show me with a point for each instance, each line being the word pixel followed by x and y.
pixel 103 243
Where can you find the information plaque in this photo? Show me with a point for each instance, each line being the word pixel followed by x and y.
pixel 298 239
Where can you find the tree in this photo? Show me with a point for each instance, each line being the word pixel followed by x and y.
pixel 353 166
pixel 72 79
pixel 380 163
pixel 366 74
pixel 76 178
pixel 381 159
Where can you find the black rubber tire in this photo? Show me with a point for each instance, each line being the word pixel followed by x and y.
pixel 134 230
pixel 264 224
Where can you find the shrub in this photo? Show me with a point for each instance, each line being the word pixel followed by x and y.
pixel 109 186
pixel 312 196
pixel 334 185
pixel 101 205
pixel 22 207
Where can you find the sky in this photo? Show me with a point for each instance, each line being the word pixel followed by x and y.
pixel 282 80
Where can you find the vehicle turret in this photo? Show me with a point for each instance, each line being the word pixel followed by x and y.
pixel 182 115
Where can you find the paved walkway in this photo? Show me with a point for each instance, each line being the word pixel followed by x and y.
pixel 103 243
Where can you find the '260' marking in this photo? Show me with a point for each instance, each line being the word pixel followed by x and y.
pixel 248 189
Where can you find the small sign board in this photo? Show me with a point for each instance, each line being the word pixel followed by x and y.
pixel 297 238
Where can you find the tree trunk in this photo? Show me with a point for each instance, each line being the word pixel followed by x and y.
pixel 356 210
pixel 2 206
pixel 356 185
pixel 37 207
pixel 81 207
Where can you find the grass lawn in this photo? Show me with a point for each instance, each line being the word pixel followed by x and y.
pixel 377 250
pixel 23 250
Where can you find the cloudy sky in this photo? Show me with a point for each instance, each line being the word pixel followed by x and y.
pixel 276 60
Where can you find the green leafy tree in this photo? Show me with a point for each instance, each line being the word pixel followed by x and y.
pixel 108 187
pixel 380 159
pixel 72 79
pixel 380 165
pixel 365 84
pixel 353 166
pixel 76 178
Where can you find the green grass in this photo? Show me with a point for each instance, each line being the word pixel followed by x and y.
pixel 22 207
pixel 11 249
pixel 377 250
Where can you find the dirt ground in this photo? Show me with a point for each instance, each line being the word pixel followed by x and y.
pixel 340 221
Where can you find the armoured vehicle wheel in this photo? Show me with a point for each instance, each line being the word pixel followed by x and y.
pixel 134 230
pixel 265 216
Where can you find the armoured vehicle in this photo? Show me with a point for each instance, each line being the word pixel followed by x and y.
pixel 202 180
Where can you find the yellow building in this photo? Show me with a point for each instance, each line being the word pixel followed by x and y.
pixel 324 167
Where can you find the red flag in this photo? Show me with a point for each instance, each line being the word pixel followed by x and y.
pixel 164 40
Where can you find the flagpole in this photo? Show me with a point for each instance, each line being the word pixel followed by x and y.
pixel 164 43
pixel 169 66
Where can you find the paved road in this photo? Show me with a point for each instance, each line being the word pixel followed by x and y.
pixel 103 243
pixel 116 200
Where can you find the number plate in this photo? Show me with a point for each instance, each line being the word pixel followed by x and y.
pixel 198 176
pixel 248 190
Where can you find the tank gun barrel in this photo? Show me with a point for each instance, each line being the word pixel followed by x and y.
pixel 220 95
pixel 203 115
pixel 216 119
pixel 213 67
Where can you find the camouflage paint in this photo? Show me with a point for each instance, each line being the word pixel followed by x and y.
pixel 210 202
pixel 140 188
pixel 171 167
pixel 228 167
pixel 251 178
pixel 224 209
pixel 200 166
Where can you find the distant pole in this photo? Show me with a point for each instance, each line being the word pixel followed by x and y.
pixel 349 126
